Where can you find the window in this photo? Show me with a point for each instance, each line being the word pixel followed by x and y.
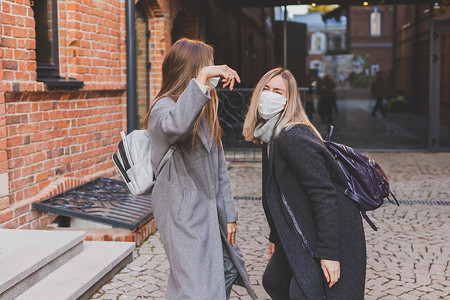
pixel 318 43
pixel 375 23
pixel 336 43
pixel 47 58
pixel 47 54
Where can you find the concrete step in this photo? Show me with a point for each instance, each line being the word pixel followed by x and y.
pixel 81 276
pixel 27 256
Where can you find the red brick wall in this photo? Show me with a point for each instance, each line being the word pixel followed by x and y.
pixel 54 135
pixel 4 200
pixel 141 63
pixel 92 39
pixel 360 35
pixel 18 43
pixel 53 140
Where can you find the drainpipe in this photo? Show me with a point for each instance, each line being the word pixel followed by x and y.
pixel 131 65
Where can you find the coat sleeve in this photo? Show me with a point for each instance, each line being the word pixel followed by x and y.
pixel 177 120
pixel 225 187
pixel 303 150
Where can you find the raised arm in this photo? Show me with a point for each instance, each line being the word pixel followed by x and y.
pixel 177 119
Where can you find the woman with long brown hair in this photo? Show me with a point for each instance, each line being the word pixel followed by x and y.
pixel 192 202
pixel 316 243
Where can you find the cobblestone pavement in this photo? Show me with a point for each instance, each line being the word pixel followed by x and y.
pixel 408 258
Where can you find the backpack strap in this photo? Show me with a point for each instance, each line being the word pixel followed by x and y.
pixel 346 191
pixel 165 159
pixel 330 134
pixel 396 201
pixel 349 193
pixel 363 213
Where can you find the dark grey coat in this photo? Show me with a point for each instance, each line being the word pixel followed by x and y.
pixel 330 222
pixel 192 201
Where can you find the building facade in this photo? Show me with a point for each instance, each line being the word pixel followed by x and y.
pixel 59 129
pixel 408 44
pixel 63 86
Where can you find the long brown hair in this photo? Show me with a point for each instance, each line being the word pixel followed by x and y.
pixel 293 113
pixel 183 61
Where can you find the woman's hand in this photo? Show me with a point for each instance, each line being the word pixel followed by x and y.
pixel 231 233
pixel 229 75
pixel 332 271
pixel 271 249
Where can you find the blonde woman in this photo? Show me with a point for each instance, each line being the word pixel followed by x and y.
pixel 192 202
pixel 316 243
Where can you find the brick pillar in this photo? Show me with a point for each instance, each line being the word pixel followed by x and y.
pixel 160 43
pixel 4 190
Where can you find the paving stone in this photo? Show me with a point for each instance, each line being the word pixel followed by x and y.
pixel 108 297
pixel 408 258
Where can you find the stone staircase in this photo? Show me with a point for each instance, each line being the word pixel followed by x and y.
pixel 56 265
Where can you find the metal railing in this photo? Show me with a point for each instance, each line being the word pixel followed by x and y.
pixel 233 107
pixel 102 200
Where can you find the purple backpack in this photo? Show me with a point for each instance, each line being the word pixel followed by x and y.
pixel 367 183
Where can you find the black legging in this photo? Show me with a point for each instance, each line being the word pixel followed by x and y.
pixel 278 280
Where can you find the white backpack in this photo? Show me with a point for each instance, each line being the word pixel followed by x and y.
pixel 133 162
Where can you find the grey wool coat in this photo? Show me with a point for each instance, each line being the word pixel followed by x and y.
pixel 192 201
pixel 330 222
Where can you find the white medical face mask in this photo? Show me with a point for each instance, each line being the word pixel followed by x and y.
pixel 213 82
pixel 270 104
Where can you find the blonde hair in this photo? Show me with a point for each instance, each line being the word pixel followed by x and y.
pixel 293 112
pixel 183 61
